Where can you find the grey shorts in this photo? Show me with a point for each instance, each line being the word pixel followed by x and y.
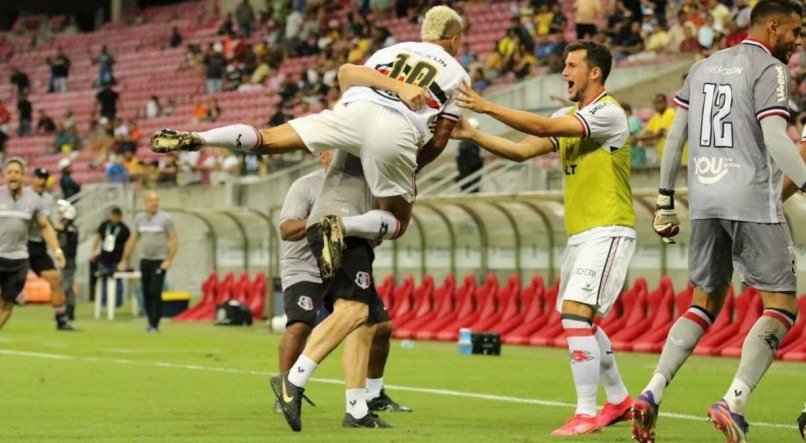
pixel 762 253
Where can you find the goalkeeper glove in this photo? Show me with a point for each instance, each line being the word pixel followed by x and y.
pixel 666 222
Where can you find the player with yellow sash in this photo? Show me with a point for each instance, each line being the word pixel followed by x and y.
pixel 592 138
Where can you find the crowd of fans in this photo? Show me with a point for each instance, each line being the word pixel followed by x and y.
pixel 252 46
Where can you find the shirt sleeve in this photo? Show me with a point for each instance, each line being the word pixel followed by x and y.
pixel 451 110
pixel 555 142
pixel 681 99
pixel 771 92
pixel 101 229
pixel 296 206
pixel 604 123
pixel 168 225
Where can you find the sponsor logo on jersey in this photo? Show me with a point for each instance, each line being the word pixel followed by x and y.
pixel 587 272
pixel 780 90
pixel 305 303
pixel 597 108
pixel 588 287
pixel 363 280
pixel 712 169
pixel 570 169
pixel 721 70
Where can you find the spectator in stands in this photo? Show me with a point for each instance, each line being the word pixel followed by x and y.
pixel 168 110
pixel 69 121
pixel 66 183
pixel 262 71
pixel 26 111
pixel 107 250
pixel 120 130
pixel 245 16
pixel 657 40
pixel 588 12
pixel 116 171
pixel 467 56
pixel 176 38
pixel 690 44
pixel 100 140
pixel 213 110
pixel 200 112
pixel 234 76
pixel 105 61
pixel 628 43
pixel 707 33
pixel 227 26
pixel 734 34
pixel 45 125
pixel 107 101
pixel 153 107
pixel 480 83
pixel 59 71
pixel 468 161
pixel 637 154
pixel 132 164
pixel 134 130
pixel 169 171
pixel 214 63
pixel 64 141
pixel 149 174
pixel 523 61
pixel 224 167
pixel 5 116
pixel 676 34
pixel 3 139
pixel 657 126
pixel 20 80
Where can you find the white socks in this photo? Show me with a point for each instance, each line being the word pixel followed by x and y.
pixel 242 138
pixel 657 384
pixel 374 225
pixel 585 360
pixel 299 374
pixel 356 402
pixel 374 386
pixel 737 396
pixel 611 379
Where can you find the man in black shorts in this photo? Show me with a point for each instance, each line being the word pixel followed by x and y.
pixel 19 207
pixel 302 284
pixel 40 261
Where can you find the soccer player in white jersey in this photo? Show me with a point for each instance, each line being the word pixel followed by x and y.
pixel 592 139
pixel 383 118
pixel 733 112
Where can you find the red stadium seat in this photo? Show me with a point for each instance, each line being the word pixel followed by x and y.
pixel 403 297
pixel 616 321
pixel 654 339
pixel 492 313
pixel 553 328
pixel 535 307
pixel 257 296
pixel 423 302
pixel 223 293
pixel 659 314
pixel 385 291
pixel 481 301
pixel 795 340
pixel 464 303
pixel 712 344
pixel 208 298
pixel 443 304
pixel 513 312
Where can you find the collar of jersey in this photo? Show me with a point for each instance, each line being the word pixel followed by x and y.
pixel 598 97
pixel 750 41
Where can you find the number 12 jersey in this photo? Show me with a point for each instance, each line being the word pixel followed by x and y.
pixel 730 172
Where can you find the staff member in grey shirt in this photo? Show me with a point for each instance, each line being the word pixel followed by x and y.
pixel 158 245
pixel 19 207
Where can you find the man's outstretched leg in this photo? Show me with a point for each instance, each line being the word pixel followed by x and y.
pixel 681 341
pixel 246 138
pixel 377 399
pixel 289 387
pixel 758 352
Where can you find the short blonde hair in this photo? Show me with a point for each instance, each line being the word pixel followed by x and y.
pixel 439 21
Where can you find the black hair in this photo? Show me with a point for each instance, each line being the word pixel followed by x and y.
pixel 116 211
pixel 596 55
pixel 766 8
pixel 17 160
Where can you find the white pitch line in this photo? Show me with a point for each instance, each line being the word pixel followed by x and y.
pixel 333 381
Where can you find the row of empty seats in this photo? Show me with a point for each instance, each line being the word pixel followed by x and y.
pixel 526 315
pixel 251 293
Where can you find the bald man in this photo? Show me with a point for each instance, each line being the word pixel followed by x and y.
pixel 158 244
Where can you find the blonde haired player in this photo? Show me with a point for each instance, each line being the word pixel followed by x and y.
pixel 592 137
pixel 382 118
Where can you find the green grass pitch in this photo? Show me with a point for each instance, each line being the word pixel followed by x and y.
pixel 197 382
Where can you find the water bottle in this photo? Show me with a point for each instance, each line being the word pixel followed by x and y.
pixel 407 344
pixel 465 344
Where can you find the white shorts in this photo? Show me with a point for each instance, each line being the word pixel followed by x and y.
pixel 381 137
pixel 593 272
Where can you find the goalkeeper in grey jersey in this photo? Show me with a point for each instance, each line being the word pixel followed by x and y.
pixel 733 112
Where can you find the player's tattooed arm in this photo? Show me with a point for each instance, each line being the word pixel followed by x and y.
pixel 789 186
pixel 523 150
pixel 527 122
pixel 351 75
pixel 434 147
pixel 293 229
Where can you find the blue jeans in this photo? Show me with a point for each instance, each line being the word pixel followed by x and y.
pixel 213 85
pixel 108 268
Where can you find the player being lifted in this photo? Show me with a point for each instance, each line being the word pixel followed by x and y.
pixel 382 118
pixel 733 112
pixel 592 137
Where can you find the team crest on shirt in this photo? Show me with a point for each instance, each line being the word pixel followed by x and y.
pixel 363 280
pixel 305 303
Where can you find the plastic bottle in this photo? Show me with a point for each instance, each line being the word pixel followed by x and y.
pixel 465 344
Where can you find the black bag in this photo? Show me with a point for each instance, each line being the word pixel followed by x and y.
pixel 233 313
